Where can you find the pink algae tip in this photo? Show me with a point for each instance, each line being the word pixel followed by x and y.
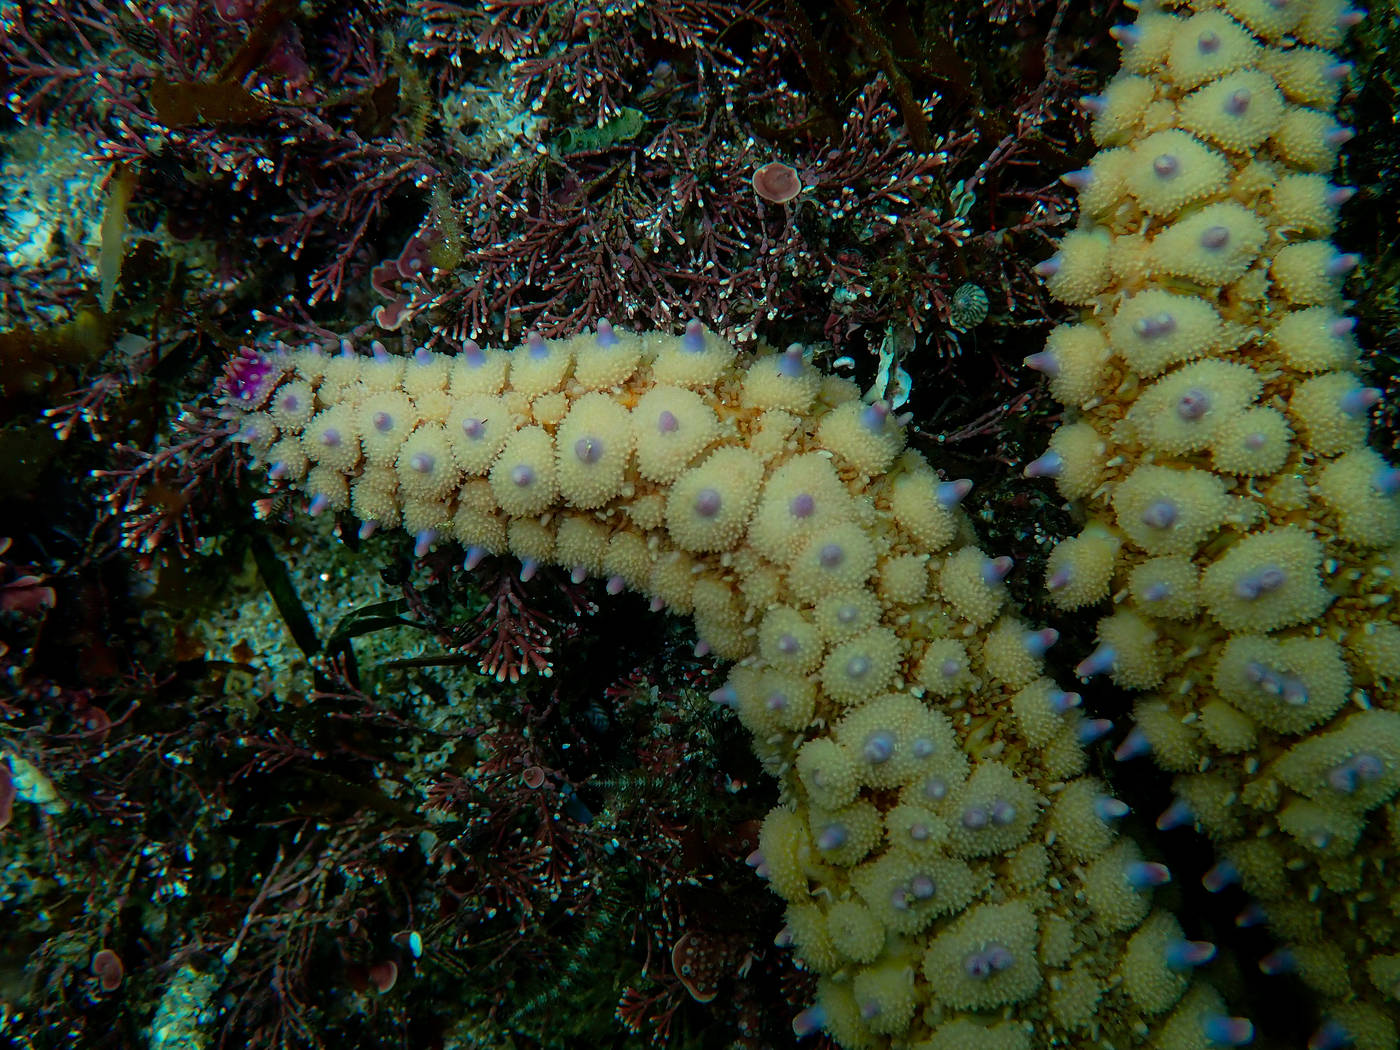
pixel 248 377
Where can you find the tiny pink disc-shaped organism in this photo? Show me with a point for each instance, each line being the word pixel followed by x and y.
pixel 108 969
pixel 777 182
pixel 384 975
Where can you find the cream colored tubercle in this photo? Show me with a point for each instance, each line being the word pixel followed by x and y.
pixel 1241 528
pixel 949 869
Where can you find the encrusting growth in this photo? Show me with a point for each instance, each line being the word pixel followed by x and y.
pixel 949 871
pixel 1217 437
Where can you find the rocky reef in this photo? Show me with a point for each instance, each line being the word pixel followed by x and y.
pixel 497 292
